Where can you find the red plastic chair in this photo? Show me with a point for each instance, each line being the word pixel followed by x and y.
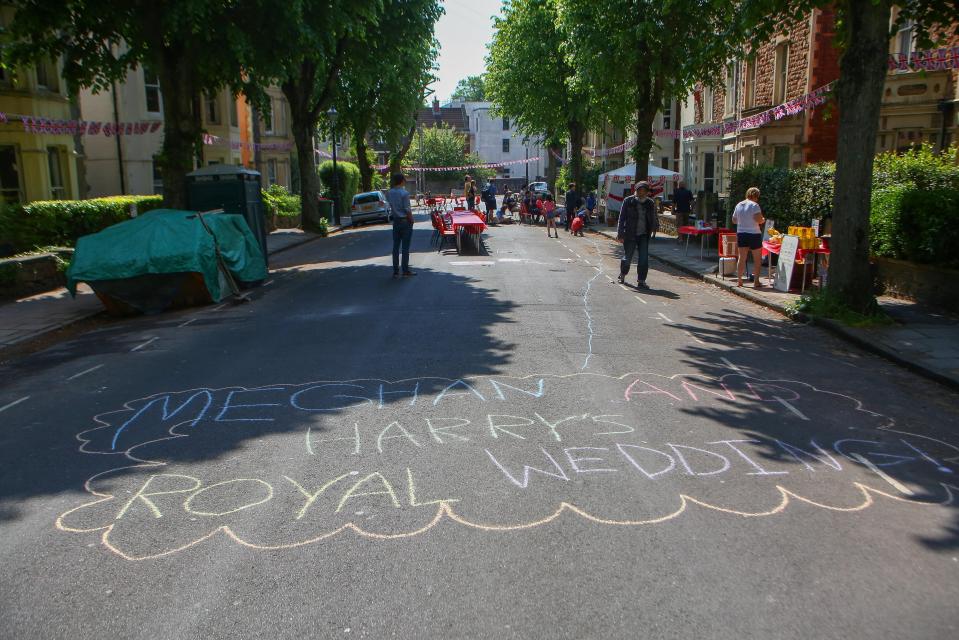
pixel 445 231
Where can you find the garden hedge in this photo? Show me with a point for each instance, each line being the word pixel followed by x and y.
pixel 347 186
pixel 61 222
pixel 915 201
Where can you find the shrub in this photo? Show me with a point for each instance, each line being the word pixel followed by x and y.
pixel 915 201
pixel 919 225
pixel 281 202
pixel 347 185
pixel 61 222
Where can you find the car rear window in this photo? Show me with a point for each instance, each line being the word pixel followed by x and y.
pixel 366 198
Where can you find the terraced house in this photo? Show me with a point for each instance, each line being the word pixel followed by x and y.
pixel 918 104
pixel 36 163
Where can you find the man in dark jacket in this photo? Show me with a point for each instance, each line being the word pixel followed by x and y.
pixel 637 223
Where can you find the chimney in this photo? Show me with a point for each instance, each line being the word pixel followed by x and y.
pixel 436 106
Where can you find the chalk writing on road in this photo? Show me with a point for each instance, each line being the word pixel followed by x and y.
pixel 282 466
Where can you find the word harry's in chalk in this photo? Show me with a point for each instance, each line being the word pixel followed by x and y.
pixel 148 418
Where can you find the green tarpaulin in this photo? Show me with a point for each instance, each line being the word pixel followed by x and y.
pixel 167 241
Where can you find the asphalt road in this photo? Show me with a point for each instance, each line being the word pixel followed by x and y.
pixel 507 445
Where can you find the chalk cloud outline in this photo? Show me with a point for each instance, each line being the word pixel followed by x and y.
pixel 445 510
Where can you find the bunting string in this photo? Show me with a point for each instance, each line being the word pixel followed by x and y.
pixel 811 100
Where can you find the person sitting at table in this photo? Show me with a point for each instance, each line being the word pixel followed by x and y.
pixel 748 217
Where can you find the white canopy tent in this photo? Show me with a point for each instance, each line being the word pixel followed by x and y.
pixel 615 185
pixel 652 171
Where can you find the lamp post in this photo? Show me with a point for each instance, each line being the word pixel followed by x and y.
pixel 332 114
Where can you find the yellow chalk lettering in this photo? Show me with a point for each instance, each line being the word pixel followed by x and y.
pixel 411 487
pixel 143 495
pixel 311 497
pixel 352 492
pixel 189 500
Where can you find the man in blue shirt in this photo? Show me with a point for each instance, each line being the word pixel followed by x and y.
pixel 401 212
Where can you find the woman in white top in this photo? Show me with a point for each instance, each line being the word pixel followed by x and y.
pixel 748 217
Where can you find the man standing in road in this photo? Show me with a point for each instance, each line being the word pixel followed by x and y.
pixel 683 200
pixel 637 223
pixel 571 204
pixel 402 215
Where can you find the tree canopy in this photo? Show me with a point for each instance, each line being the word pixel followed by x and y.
pixel 470 89
pixel 383 79
pixel 443 147
pixel 531 79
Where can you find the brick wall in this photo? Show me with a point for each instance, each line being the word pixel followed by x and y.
pixel 821 133
pixel 796 34
pixel 719 101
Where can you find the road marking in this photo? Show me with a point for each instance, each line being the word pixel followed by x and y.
pixel 792 408
pixel 482 263
pixel 663 316
pixel 219 307
pixel 140 346
pixel 183 324
pixel 730 365
pixel 696 339
pixel 882 474
pixel 268 283
pixel 83 373
pixel 641 300
pixel 14 403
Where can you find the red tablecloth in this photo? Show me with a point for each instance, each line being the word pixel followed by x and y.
pixel 769 247
pixel 468 221
pixel 693 231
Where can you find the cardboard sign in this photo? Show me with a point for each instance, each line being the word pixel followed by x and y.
pixel 787 259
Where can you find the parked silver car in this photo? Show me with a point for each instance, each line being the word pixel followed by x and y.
pixel 370 207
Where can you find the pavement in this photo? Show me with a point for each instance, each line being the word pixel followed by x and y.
pixel 506 445
pixel 32 317
pixel 925 340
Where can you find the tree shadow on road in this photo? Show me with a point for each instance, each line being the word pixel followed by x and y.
pixel 310 327
pixel 837 400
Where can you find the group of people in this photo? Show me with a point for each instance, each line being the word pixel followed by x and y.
pixel 638 222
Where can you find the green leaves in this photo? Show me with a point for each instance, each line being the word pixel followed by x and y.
pixel 470 89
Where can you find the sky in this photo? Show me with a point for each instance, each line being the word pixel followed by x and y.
pixel 463 32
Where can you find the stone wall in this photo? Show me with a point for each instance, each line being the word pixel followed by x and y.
pixel 920 282
pixel 28 275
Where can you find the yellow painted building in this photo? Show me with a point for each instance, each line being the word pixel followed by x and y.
pixel 35 166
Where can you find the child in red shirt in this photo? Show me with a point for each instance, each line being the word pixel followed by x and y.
pixel 549 210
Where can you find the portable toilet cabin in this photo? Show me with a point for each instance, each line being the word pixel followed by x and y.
pixel 234 189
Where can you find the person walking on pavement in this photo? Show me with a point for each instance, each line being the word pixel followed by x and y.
pixel 637 223
pixel 683 201
pixel 402 215
pixel 572 203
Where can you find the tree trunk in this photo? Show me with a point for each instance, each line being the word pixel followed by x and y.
pixel 309 180
pixel 551 170
pixel 396 158
pixel 181 128
pixel 363 162
pixel 862 74
pixel 576 153
pixel 645 116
